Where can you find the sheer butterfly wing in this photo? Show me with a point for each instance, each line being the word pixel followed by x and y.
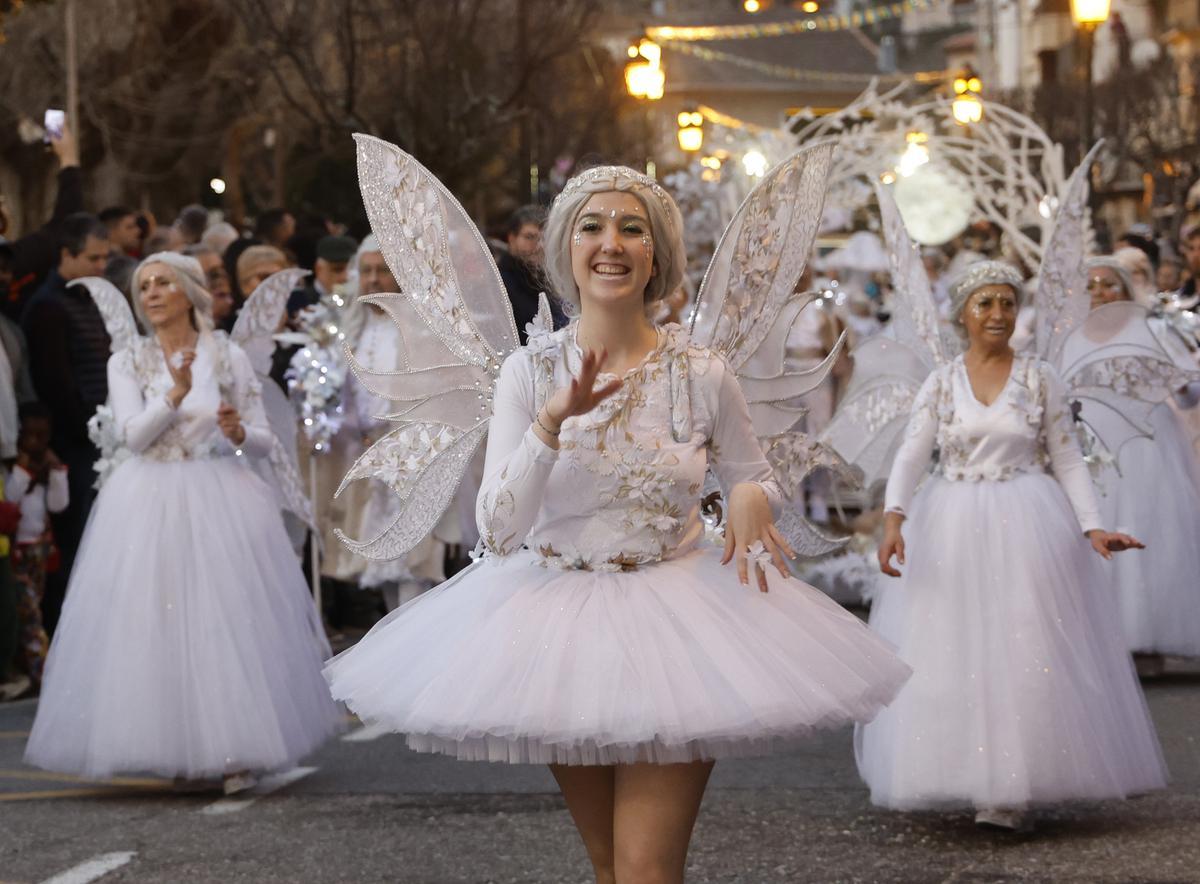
pixel 455 327
pixel 889 369
pixel 1118 368
pixel 114 310
pixel 260 317
pixel 1062 300
pixel 748 307
pixel 868 426
pixel 915 322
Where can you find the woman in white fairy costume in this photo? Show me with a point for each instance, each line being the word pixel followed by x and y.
pixel 601 634
pixel 1022 692
pixel 189 645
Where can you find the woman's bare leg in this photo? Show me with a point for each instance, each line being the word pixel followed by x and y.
pixel 655 807
pixel 588 791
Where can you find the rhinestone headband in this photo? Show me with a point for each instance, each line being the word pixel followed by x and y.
pixel 980 274
pixel 621 178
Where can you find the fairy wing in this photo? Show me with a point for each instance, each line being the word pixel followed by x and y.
pixel 261 315
pixel 1062 301
pixel 455 327
pixel 1118 367
pixel 114 310
pixel 748 307
pixel 869 423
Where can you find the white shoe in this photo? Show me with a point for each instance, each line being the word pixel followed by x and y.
pixel 1004 818
pixel 239 782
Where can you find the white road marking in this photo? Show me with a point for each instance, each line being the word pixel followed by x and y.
pixel 265 786
pixel 366 733
pixel 94 868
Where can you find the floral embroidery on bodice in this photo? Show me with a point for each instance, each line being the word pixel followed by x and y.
pixel 1027 430
pixel 624 487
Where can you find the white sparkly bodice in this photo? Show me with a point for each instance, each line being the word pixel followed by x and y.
pixel 1028 429
pixel 138 381
pixel 624 487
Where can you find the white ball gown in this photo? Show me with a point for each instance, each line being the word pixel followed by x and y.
pixel 600 627
pixel 189 645
pixel 1023 692
pixel 1156 497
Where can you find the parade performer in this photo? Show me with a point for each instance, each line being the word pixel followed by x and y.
pixel 189 645
pixel 600 633
pixel 1022 693
pixel 1154 492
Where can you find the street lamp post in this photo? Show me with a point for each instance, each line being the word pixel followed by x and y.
pixel 1088 15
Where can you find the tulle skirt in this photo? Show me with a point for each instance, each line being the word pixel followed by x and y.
pixel 1157 499
pixel 1023 692
pixel 515 662
pixel 189 644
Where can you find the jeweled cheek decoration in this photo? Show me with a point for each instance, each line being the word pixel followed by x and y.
pixel 577 238
pixel 648 245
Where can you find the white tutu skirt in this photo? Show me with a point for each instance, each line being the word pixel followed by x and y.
pixel 1023 692
pixel 1157 499
pixel 515 662
pixel 189 644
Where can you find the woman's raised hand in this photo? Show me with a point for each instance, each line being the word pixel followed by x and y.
pixel 578 397
pixel 179 364
pixel 230 423
pixel 892 544
pixel 750 534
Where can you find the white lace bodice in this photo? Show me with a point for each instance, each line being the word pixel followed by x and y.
pixel 1027 429
pixel 138 381
pixel 624 487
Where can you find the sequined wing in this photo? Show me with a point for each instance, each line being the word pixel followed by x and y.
pixel 1118 366
pixel 1062 301
pixel 868 426
pixel 748 303
pixel 455 327
pixel 261 315
pixel 748 309
pixel 114 310
pixel 793 457
pixel 914 313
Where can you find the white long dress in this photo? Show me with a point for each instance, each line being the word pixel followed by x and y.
pixel 600 627
pixel 1156 497
pixel 189 644
pixel 1023 692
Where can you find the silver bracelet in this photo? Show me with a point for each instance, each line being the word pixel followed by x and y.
pixel 537 419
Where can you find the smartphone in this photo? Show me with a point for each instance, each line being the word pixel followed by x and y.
pixel 53 122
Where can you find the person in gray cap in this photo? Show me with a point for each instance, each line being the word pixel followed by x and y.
pixel 332 268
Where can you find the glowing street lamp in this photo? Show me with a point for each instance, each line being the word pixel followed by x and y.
pixel 691 131
pixel 217 185
pixel 810 6
pixel 644 74
pixel 1090 13
pixel 967 106
pixel 754 163
pixel 751 6
pixel 915 155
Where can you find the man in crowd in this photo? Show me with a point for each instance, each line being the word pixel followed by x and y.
pixel 68 354
pixel 124 233
pixel 275 227
pixel 521 268
pixel 331 269
pixel 217 281
pixel 35 254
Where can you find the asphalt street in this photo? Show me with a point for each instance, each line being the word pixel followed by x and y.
pixel 366 809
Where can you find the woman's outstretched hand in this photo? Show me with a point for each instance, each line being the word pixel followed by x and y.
pixel 750 533
pixel 892 544
pixel 577 398
pixel 1105 543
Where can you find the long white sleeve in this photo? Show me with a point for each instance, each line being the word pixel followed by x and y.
pixel 1066 458
pixel 735 453
pixel 138 421
pixel 16 486
pixel 247 394
pixel 518 463
pixel 916 451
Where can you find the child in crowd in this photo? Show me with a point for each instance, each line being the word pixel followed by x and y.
pixel 38 483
